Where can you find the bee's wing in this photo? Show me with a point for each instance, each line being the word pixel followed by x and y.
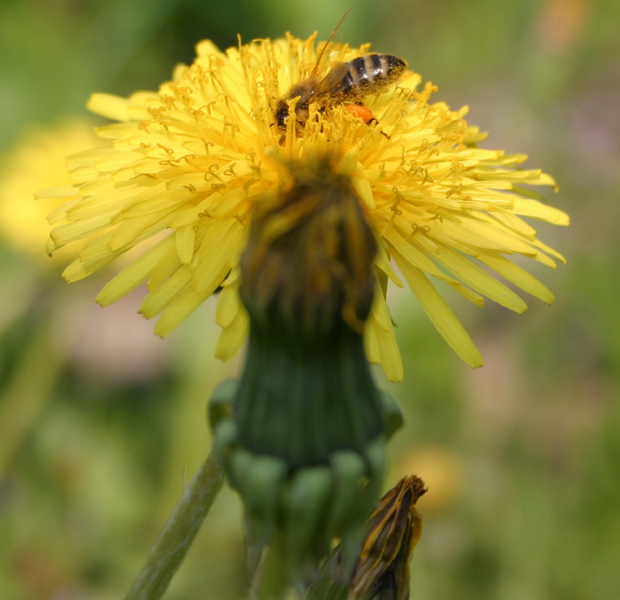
pixel 330 83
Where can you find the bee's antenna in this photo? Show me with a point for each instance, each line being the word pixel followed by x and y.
pixel 333 33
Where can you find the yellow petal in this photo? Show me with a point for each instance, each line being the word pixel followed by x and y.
pixel 439 313
pixel 133 275
pixel 517 275
pixel 233 336
pixel 382 346
pixel 109 105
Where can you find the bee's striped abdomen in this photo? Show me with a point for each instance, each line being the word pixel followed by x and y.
pixel 370 73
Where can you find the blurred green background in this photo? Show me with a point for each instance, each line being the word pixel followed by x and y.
pixel 102 423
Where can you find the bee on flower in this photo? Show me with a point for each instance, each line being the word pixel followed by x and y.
pixel 345 83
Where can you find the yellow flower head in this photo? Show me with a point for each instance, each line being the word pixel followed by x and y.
pixel 37 160
pixel 188 163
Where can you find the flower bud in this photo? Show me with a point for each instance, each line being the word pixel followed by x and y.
pixel 302 441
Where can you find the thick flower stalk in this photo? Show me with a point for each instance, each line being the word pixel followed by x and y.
pixel 185 166
pixel 302 435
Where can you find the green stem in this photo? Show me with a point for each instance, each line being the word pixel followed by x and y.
pixel 24 396
pixel 269 581
pixel 177 536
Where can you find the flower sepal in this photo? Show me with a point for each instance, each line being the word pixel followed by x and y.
pixel 303 507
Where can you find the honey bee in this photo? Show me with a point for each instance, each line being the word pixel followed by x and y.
pixel 346 83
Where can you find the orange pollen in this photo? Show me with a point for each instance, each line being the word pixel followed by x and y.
pixel 364 113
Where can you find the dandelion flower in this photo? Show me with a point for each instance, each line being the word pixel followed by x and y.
pixel 38 160
pixel 187 164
